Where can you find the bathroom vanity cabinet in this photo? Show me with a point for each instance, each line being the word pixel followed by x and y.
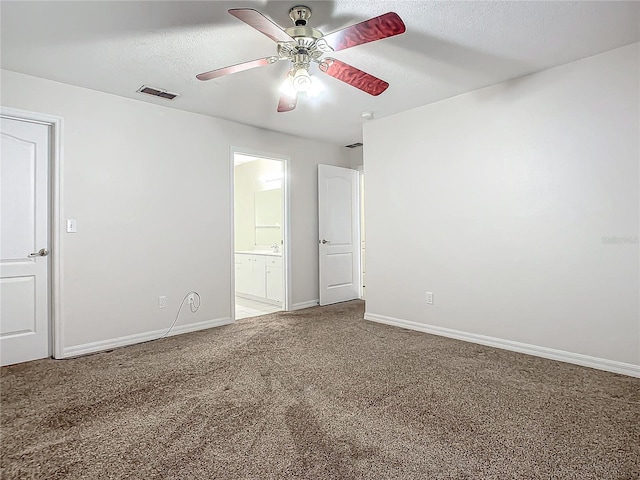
pixel 259 276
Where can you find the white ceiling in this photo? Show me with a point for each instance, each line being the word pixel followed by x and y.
pixel 449 48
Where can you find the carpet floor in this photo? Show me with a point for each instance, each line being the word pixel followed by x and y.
pixel 316 394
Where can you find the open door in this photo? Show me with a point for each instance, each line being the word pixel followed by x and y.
pixel 24 241
pixel 339 242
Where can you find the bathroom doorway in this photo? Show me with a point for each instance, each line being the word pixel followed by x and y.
pixel 260 230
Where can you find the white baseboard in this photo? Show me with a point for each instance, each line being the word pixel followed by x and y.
pixel 550 353
pixel 102 345
pixel 301 305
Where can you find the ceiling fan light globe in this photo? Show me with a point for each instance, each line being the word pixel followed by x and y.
pixel 302 81
pixel 287 88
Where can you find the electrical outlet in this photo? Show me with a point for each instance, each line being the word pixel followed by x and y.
pixel 429 298
pixel 162 302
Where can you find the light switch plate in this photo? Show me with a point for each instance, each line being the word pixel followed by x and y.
pixel 72 225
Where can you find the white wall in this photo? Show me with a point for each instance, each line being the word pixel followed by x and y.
pixel 150 188
pixel 498 202
pixel 355 157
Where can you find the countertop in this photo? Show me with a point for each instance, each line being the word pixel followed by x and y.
pixel 260 252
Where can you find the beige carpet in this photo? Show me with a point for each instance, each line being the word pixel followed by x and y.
pixel 316 394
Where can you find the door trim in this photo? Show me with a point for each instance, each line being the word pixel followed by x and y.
pixel 56 323
pixel 361 200
pixel 286 234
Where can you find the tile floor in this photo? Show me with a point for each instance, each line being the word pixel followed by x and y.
pixel 246 308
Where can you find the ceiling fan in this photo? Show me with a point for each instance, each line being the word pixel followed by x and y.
pixel 303 45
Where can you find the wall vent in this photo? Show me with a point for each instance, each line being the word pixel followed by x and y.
pixel 157 92
pixel 354 145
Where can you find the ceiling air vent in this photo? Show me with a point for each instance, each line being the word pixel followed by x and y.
pixel 354 145
pixel 157 92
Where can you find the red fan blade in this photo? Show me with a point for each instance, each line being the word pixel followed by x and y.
pixel 220 72
pixel 255 19
pixel 353 76
pixel 377 28
pixel 287 103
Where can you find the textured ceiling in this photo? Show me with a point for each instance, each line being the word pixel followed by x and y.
pixel 449 48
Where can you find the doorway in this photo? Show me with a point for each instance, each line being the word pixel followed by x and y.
pixel 260 231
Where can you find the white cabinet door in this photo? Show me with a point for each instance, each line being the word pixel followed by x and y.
pixel 275 285
pixel 244 266
pixel 257 286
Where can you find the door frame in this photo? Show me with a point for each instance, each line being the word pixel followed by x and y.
pixel 55 123
pixel 361 202
pixel 286 230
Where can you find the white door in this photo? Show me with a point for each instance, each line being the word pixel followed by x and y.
pixel 339 217
pixel 24 241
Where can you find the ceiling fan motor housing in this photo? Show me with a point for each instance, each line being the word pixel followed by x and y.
pixel 309 43
pixel 306 47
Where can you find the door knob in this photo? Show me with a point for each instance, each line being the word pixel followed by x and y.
pixel 43 252
pixel 323 241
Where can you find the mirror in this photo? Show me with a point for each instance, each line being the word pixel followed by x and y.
pixel 268 216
